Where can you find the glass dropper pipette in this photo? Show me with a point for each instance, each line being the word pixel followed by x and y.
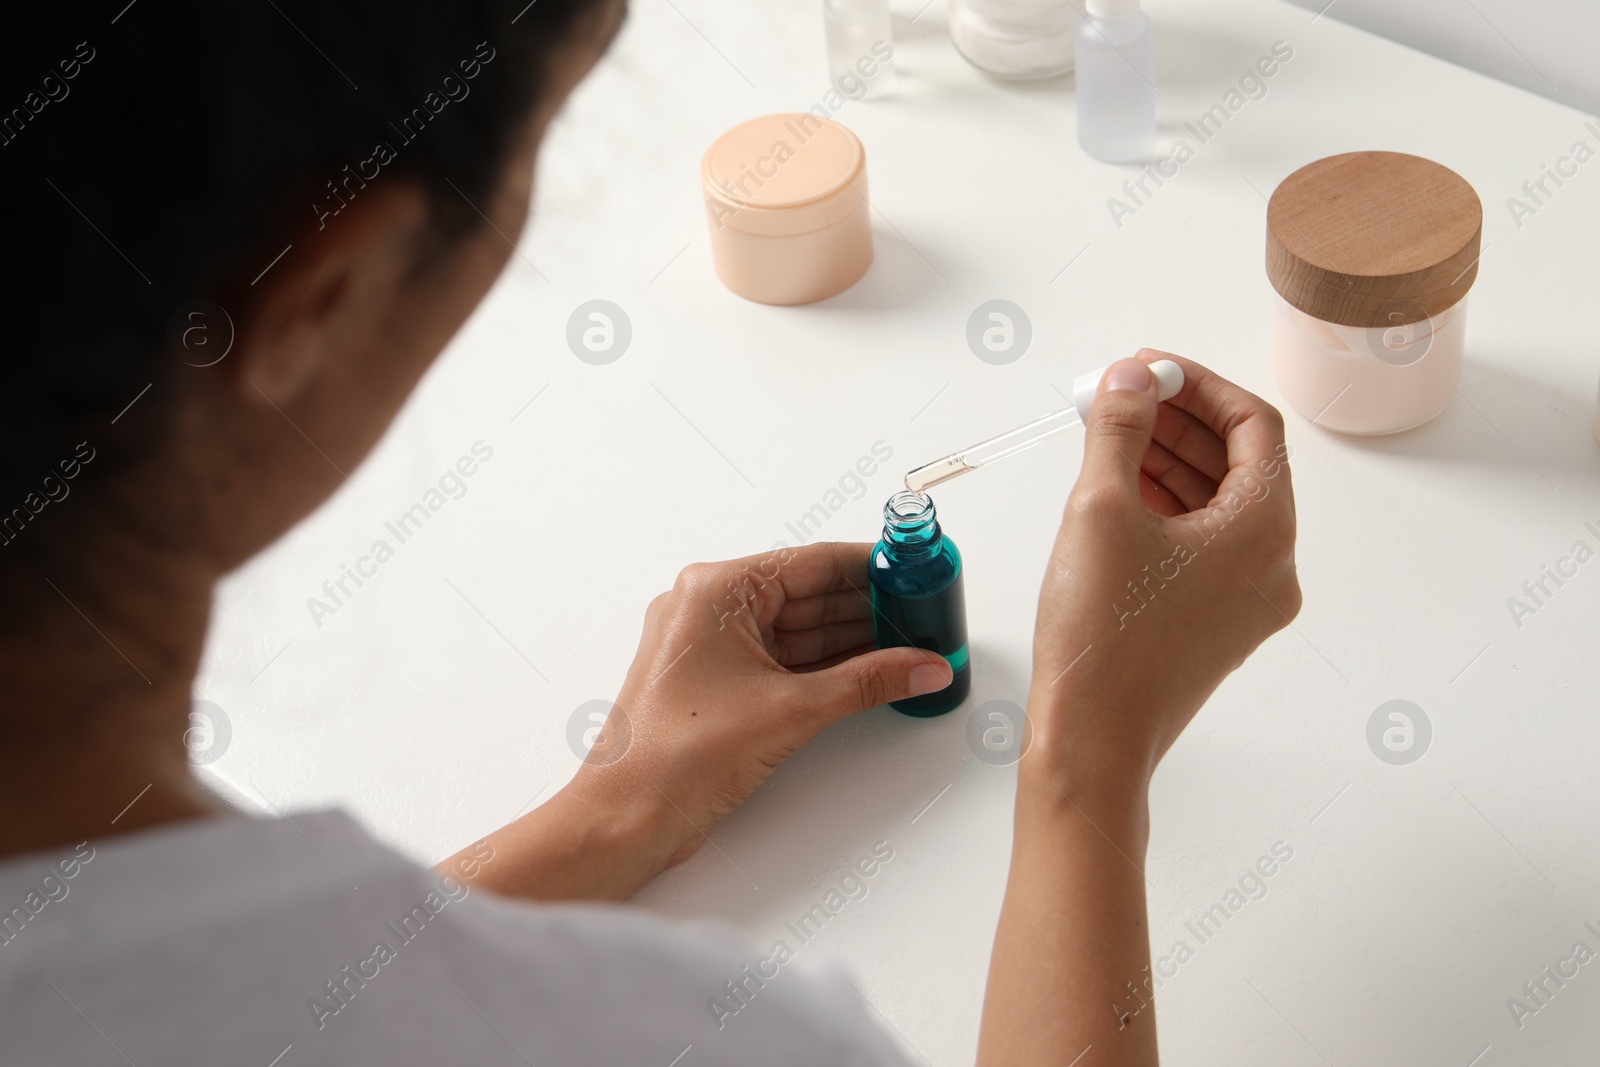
pixel 1169 380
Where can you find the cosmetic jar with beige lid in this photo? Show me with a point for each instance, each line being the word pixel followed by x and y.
pixel 1373 254
pixel 786 199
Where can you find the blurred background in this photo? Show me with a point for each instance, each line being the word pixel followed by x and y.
pixel 1543 46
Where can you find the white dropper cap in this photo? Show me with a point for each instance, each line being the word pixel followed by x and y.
pixel 1109 9
pixel 1169 380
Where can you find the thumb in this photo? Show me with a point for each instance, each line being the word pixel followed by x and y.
pixel 874 678
pixel 1121 424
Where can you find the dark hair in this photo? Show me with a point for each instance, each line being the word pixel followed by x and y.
pixel 154 153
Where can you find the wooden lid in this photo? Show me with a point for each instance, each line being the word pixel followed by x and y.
pixel 1373 238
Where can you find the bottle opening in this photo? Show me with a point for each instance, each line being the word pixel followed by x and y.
pixel 907 509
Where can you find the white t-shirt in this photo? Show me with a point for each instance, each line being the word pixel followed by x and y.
pixel 274 943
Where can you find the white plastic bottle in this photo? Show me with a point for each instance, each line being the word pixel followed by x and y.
pixel 1116 81
pixel 860 47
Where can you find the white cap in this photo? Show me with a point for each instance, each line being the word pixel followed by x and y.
pixel 1110 9
pixel 1169 381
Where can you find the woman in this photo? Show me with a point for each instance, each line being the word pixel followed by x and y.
pixel 164 158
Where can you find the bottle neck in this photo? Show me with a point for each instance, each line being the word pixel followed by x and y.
pixel 911 526
pixel 1110 10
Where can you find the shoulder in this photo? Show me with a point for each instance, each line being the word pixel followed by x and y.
pixel 616 967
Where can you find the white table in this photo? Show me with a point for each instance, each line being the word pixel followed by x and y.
pixel 434 702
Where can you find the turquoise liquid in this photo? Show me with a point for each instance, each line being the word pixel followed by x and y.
pixel 918 597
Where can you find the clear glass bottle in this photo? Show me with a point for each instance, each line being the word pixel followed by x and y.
pixel 918 597
pixel 1116 87
pixel 860 47
pixel 1015 39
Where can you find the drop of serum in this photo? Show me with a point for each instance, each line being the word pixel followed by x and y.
pixel 918 599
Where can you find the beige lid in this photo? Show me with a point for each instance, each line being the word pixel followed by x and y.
pixel 781 175
pixel 1373 239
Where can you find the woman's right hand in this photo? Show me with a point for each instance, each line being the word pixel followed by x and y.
pixel 1174 561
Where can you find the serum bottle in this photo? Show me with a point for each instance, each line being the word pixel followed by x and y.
pixel 860 46
pixel 1116 81
pixel 918 599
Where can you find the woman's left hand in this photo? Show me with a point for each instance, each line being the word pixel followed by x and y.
pixel 741 663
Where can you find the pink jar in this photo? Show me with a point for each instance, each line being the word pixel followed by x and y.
pixel 786 200
pixel 1373 254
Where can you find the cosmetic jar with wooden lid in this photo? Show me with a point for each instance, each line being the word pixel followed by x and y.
pixel 1373 254
pixel 786 199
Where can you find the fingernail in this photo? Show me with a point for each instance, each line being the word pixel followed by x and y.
pixel 1127 375
pixel 928 678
